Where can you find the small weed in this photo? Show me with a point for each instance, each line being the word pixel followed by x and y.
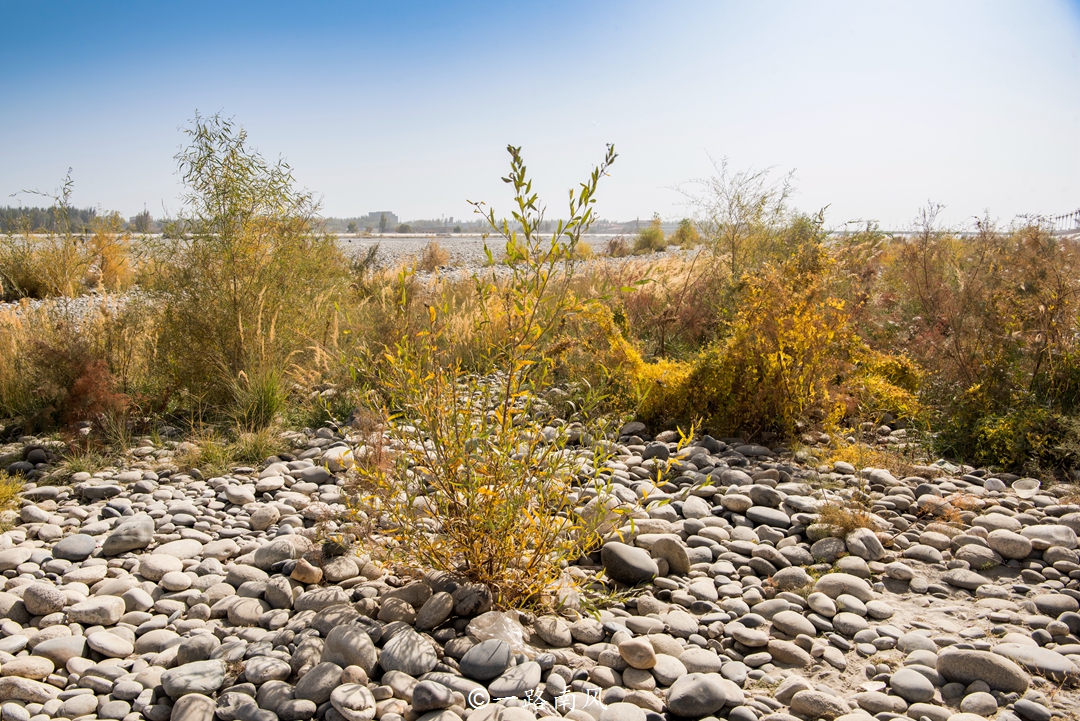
pixel 10 486
pixel 843 518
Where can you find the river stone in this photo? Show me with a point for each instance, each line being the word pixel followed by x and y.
pixel 61 650
pixel 350 646
pixel 977 556
pixel 638 653
pixel 818 704
pixel 516 681
pixel 1009 544
pixel 700 660
pixel 12 558
pixel 204 677
pixel 979 703
pixel 264 517
pixel 297 709
pixel 1051 535
pixel 792 624
pixel 1042 661
pixel 41 599
pixel 486 660
pixel 409 653
pixel 766 516
pixel 553 631
pixel 16 688
pixel 153 567
pixel 963 578
pixel 97 611
pixel 129 536
pixel 429 696
pixel 911 686
pixel 318 683
pixel 736 502
pixel 791 578
pixel 674 553
pixel 76 547
pixel 627 564
pixel 110 645
pixel 194 707
pixel 434 611
pixel 354 702
pixel 76 706
pixel 33 667
pixel 1050 604
pixel 786 652
pixel 622 711
pixel 835 584
pixel 863 542
pixel 668 669
pixel 1032 711
pixel 261 669
pixel 184 548
pixel 697 695
pixel 967 666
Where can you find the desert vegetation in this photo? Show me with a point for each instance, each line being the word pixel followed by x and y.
pixel 245 315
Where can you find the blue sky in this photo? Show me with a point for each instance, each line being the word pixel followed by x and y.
pixel 408 106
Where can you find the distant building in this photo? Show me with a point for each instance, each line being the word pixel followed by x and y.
pixel 372 219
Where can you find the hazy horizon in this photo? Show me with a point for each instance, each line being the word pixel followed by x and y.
pixel 878 108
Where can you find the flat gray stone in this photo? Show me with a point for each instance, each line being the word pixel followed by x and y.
pixel 201 677
pixel 77 547
pixel 409 653
pixel 627 564
pixel 1041 661
pixel 967 666
pixel 696 695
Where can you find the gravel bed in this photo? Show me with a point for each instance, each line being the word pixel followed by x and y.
pixel 143 592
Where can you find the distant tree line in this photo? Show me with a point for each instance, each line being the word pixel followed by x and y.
pixel 14 219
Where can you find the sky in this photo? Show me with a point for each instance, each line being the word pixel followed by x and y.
pixel 877 107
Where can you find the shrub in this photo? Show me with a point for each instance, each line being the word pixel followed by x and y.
pixel 40 264
pixel 686 235
pixel 60 367
pixel 475 489
pixel 791 353
pixel 673 307
pixel 110 253
pixel 741 214
pixel 650 239
pixel 249 285
pixel 992 319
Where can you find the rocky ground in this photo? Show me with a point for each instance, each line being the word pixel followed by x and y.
pixel 143 592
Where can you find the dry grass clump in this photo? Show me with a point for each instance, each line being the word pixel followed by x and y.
pixel 215 452
pixel 59 365
pixel 10 487
pixel 40 263
pixel 432 257
pixel 862 456
pixel 843 518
